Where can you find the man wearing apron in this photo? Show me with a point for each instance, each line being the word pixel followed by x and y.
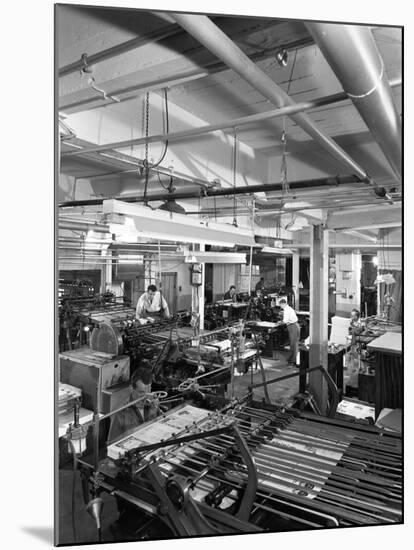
pixel 291 321
pixel 152 304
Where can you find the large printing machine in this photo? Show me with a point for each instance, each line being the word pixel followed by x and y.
pixel 260 309
pixel 181 363
pixel 242 466
pixel 109 345
pixel 81 308
pixel 210 463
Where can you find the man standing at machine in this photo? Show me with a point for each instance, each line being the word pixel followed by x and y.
pixel 152 304
pixel 291 321
pixel 260 285
pixel 230 294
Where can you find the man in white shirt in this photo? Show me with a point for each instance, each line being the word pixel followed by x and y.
pixel 152 304
pixel 291 321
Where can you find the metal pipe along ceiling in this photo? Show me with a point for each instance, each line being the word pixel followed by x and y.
pixel 201 130
pixel 118 49
pixel 226 191
pixel 214 39
pixel 354 57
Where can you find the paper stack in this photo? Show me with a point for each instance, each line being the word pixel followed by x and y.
pixel 340 330
pixel 355 410
pixel 67 396
pixel 160 429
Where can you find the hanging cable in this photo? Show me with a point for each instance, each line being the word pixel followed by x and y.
pixel 159 267
pixel 166 131
pixel 234 177
pixel 165 187
pixel 88 71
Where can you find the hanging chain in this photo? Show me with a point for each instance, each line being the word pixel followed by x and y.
pixel 234 177
pixel 283 167
pixel 146 164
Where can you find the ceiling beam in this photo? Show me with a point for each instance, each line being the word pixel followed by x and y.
pixel 351 246
pixel 118 49
pixel 368 218
pixel 177 79
pixel 378 225
pixel 208 34
pixel 360 235
pixel 208 128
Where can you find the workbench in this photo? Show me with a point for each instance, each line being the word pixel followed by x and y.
pixel 388 371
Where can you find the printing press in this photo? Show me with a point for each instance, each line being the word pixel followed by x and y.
pixel 243 466
pixel 204 462
pixel 180 362
pixel 81 309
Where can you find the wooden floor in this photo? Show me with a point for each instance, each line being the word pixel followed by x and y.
pixel 279 393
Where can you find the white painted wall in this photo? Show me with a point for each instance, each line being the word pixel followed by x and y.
pixel 183 280
pixel 352 286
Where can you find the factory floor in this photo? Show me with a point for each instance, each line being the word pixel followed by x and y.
pixel 86 533
pixel 280 393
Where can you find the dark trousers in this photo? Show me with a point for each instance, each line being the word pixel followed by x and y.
pixel 294 334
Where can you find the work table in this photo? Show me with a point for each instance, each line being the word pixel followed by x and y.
pixel 390 343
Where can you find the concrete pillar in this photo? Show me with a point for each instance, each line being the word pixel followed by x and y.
pixel 318 353
pixel 201 291
pixel 201 296
pixel 295 277
pixel 107 270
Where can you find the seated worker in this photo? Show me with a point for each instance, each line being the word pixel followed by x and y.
pixel 133 416
pixel 291 321
pixel 230 294
pixel 260 284
pixel 152 304
pixel 355 326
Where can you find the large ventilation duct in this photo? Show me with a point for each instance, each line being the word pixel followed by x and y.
pixel 215 40
pixel 354 57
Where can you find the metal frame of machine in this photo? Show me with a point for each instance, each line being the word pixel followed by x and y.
pixel 250 467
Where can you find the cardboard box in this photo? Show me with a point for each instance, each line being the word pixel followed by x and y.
pixel 114 397
pixel 92 372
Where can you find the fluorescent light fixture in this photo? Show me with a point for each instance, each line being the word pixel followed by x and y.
pixel 274 250
pixel 216 258
pixel 169 226
pixel 128 258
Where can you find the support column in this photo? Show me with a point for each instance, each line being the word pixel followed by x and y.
pixel 201 291
pixel 107 271
pixel 201 296
pixel 295 277
pixel 318 353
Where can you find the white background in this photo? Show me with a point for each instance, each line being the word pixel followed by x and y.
pixel 27 301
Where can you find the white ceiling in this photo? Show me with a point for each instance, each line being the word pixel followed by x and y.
pixel 182 63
